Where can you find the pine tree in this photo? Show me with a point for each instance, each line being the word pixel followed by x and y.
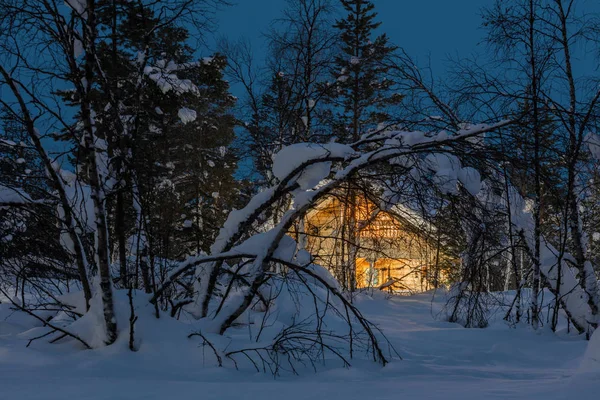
pixel 361 94
pixel 359 99
pixel 190 161
pixel 182 144
pixel 165 125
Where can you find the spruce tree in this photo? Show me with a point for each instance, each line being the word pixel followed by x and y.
pixel 165 121
pixel 361 94
pixel 360 98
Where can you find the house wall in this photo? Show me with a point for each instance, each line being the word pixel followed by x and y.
pixel 387 248
pixel 409 275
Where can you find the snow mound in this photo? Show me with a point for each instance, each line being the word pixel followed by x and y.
pixel 13 195
pixel 324 274
pixel 591 359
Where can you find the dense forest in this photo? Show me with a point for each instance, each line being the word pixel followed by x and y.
pixel 134 184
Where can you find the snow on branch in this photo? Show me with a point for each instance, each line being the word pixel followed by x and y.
pixel 10 195
pixel 164 75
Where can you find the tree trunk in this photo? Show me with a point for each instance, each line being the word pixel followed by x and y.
pixel 536 211
pixel 120 231
pixel 95 182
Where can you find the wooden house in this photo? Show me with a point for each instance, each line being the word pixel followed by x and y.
pixel 394 249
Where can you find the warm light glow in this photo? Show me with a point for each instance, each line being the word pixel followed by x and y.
pixel 390 254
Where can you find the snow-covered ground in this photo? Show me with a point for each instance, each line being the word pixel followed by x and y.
pixel 440 361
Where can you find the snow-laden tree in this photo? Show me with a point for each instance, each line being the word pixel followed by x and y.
pixel 239 268
pixel 544 155
pixel 142 131
pixel 92 84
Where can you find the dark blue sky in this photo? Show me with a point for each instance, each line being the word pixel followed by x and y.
pixel 425 28
pixel 433 30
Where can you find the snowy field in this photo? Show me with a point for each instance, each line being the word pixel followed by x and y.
pixel 440 361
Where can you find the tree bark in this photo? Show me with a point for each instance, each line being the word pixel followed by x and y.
pixel 95 181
